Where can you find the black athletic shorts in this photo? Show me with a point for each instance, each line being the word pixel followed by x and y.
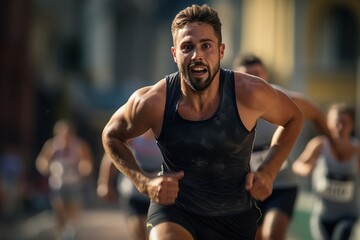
pixel 137 206
pixel 239 226
pixel 282 199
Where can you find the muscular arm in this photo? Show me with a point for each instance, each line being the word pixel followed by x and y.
pixel 277 108
pixel 306 161
pixel 283 112
pixel 143 111
pixel 131 120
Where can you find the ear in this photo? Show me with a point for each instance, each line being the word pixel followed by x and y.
pixel 173 52
pixel 222 50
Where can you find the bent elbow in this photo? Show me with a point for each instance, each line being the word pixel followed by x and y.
pixel 107 136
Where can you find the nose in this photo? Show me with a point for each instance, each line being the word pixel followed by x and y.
pixel 196 56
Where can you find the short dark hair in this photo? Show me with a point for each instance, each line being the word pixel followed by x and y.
pixel 344 108
pixel 196 13
pixel 246 59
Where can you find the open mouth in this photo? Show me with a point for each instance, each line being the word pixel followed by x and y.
pixel 198 70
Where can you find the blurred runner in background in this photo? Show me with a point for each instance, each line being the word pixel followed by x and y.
pixel 277 210
pixel 65 159
pixel 335 181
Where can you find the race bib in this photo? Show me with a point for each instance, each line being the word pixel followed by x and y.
pixel 335 190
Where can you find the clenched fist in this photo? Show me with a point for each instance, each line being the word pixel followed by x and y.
pixel 164 189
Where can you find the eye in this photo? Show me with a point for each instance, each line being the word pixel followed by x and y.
pixel 206 46
pixel 187 47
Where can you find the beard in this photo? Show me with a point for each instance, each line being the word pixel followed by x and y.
pixel 198 84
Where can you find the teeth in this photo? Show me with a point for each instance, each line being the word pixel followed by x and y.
pixel 198 68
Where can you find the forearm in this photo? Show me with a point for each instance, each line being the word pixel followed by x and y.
pixel 104 171
pixel 86 162
pixel 123 159
pixel 283 140
pixel 104 176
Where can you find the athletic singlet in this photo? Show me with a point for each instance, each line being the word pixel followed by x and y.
pixel 64 166
pixel 336 185
pixel 214 153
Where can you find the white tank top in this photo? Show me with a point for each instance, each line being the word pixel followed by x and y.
pixel 336 185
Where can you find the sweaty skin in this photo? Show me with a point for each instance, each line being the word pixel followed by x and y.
pixel 197 53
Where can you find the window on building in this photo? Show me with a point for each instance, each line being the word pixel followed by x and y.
pixel 338 45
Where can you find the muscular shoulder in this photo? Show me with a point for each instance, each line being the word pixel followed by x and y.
pixel 147 97
pixel 254 97
pixel 251 90
pixel 146 105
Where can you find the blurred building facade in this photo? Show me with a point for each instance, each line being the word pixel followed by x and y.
pixel 82 59
pixel 310 46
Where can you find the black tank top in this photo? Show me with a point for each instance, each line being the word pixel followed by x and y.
pixel 214 153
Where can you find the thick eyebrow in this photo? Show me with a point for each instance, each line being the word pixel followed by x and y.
pixel 201 41
pixel 206 40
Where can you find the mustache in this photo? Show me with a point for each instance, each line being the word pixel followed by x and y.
pixel 196 63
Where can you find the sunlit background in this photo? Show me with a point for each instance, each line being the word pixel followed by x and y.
pixel 81 59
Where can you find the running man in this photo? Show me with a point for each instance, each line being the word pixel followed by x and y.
pixel 204 119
